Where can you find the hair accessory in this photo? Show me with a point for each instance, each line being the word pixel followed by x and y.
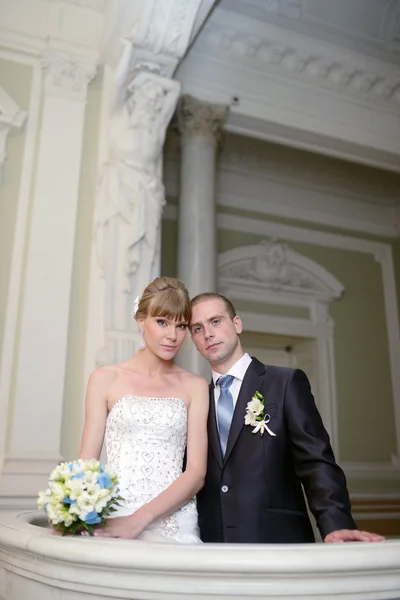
pixel 135 306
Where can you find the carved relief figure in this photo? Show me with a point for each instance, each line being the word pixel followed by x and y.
pixel 131 193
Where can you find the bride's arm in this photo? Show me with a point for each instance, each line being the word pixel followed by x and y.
pixel 185 486
pixel 95 414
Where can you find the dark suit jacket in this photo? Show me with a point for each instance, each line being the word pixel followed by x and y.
pixel 254 495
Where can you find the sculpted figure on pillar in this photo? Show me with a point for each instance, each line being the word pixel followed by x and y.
pixel 131 192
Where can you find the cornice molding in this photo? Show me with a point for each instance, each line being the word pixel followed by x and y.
pixel 300 92
pixel 308 61
pixel 375 34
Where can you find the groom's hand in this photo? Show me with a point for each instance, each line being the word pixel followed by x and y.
pixel 351 535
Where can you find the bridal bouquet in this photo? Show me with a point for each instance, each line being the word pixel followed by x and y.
pixel 80 495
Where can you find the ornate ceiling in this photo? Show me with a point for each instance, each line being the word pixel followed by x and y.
pixel 369 26
pixel 320 75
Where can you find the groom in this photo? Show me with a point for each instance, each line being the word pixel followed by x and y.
pixel 252 492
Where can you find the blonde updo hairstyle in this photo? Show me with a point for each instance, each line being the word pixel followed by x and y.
pixel 165 297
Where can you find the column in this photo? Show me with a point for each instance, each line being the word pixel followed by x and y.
pixel 384 256
pixel 200 127
pixel 36 397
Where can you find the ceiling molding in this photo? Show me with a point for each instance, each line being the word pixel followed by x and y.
pixel 264 47
pixel 294 90
pixel 369 26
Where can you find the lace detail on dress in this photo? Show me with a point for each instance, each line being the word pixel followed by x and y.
pixel 145 440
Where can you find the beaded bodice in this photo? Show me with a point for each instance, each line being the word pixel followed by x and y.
pixel 145 440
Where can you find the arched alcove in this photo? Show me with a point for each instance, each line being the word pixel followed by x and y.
pixel 272 274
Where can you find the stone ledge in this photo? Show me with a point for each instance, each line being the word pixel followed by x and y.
pixel 35 563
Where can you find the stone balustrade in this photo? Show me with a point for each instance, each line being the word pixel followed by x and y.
pixel 37 564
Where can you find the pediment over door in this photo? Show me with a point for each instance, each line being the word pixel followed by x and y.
pixel 273 268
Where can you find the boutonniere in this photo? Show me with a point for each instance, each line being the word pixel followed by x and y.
pixel 256 417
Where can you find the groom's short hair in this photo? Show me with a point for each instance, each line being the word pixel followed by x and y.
pixel 214 296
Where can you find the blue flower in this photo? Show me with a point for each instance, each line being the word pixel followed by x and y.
pixel 67 500
pixel 104 480
pixel 92 518
pixel 70 466
pixel 77 475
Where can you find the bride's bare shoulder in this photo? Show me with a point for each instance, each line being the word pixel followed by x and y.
pixel 193 379
pixel 104 375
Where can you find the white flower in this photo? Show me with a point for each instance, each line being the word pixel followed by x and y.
pixel 255 406
pixel 56 514
pixel 90 477
pixel 255 415
pixel 100 504
pixel 250 418
pixel 44 498
pixel 74 488
pixel 74 509
pixel 57 473
pixel 69 519
pixel 91 465
pixel 58 492
pixel 85 504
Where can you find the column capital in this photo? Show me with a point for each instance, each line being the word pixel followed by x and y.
pixel 67 76
pixel 195 117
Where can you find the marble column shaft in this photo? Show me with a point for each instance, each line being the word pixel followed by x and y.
pixel 200 127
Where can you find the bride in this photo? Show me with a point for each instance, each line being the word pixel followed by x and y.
pixel 148 411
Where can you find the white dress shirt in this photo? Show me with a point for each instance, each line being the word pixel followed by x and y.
pixel 238 370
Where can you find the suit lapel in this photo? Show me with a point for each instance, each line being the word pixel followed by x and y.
pixel 252 382
pixel 213 435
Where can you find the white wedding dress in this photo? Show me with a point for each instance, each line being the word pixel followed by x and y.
pixel 145 441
